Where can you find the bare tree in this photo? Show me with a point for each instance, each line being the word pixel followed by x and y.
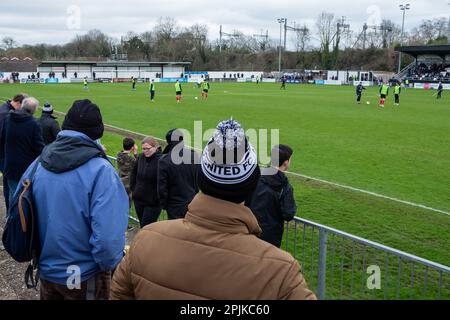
pixel 200 40
pixel 391 33
pixel 93 44
pixel 302 37
pixel 166 28
pixel 326 28
pixel 133 46
pixel 149 42
pixel 441 26
pixel 78 46
pixel 8 43
pixel 100 43
pixel 429 31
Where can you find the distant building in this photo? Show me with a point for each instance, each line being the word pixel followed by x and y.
pixel 113 69
pixel 17 64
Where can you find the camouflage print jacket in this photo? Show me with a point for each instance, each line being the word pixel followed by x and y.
pixel 125 164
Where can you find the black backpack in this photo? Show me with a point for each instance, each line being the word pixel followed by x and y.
pixel 21 236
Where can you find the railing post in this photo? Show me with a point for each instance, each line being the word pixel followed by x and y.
pixel 322 270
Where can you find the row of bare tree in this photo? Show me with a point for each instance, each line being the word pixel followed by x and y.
pixel 332 44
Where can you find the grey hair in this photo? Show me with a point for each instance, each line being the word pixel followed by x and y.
pixel 30 105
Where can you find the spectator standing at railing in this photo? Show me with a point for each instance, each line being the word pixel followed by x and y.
pixel 177 175
pixel 126 159
pixel 10 105
pixel 144 183
pixel 21 141
pixel 214 252
pixel 82 210
pixel 49 125
pixel 273 201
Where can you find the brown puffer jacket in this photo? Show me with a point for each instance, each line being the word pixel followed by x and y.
pixel 213 253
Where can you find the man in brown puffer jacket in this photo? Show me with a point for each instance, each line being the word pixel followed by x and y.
pixel 214 252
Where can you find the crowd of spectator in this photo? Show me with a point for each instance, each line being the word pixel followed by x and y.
pixel 430 72
pixel 226 214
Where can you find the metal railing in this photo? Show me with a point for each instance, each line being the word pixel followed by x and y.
pixel 339 265
pixel 343 266
pixel 403 72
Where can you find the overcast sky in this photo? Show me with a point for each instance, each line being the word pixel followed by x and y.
pixel 56 22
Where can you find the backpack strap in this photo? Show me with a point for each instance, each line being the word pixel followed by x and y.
pixel 26 184
pixel 32 273
pixel 33 171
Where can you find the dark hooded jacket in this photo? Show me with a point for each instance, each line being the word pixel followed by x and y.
pixel 21 142
pixel 4 112
pixel 177 183
pixel 5 109
pixel 273 203
pixel 50 127
pixel 144 180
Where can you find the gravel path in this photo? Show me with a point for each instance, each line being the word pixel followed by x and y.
pixel 12 285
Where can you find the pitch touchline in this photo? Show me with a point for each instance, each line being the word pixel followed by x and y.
pixel 326 182
pixel 417 205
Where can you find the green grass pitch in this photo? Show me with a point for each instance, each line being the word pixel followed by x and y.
pixel 401 152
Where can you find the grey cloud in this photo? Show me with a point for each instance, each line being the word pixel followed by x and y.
pixel 46 21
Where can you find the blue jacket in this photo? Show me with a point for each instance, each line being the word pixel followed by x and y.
pixel 82 209
pixel 21 142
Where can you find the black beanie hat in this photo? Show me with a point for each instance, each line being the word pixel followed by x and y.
pixel 84 117
pixel 229 166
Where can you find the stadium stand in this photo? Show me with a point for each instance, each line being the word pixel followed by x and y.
pixel 431 64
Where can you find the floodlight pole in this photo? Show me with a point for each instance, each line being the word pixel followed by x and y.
pixel 280 21
pixel 448 29
pixel 403 7
pixel 220 39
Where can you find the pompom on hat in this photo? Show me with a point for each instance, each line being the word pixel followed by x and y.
pixel 48 108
